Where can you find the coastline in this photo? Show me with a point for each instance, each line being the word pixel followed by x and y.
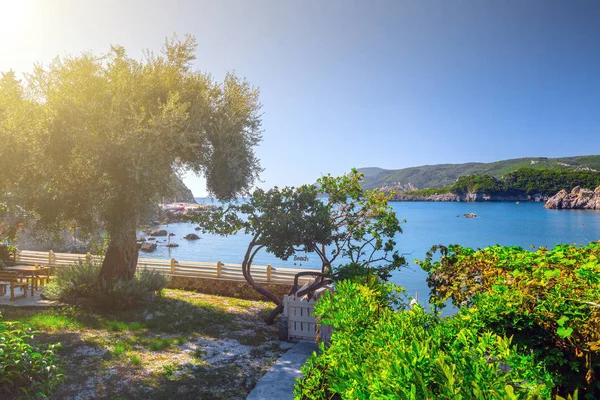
pixel 470 197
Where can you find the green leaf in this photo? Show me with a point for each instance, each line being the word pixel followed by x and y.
pixel 564 332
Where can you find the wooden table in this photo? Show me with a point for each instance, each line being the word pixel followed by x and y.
pixel 35 273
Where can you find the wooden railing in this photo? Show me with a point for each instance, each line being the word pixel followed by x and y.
pixel 173 267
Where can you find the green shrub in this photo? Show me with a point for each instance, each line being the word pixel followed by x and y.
pixel 81 281
pixel 6 252
pixel 379 353
pixel 547 300
pixel 25 368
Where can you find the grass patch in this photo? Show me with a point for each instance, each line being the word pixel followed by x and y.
pixel 119 349
pixel 51 322
pixel 168 370
pixel 117 326
pixel 160 344
pixel 135 360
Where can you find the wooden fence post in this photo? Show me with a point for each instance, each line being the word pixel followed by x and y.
pixel 219 269
pixel 173 264
pixel 51 257
pixel 269 273
pixel 283 322
pixel 88 257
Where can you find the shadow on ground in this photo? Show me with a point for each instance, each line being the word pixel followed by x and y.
pixel 183 345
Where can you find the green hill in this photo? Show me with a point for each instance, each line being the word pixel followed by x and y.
pixel 437 176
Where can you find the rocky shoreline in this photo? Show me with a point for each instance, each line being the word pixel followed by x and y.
pixel 469 197
pixel 577 199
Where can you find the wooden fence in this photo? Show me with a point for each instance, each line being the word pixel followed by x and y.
pixel 173 267
pixel 302 325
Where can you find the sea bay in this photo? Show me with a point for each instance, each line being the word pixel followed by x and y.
pixel 427 224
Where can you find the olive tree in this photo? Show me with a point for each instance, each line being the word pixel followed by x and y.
pixel 97 139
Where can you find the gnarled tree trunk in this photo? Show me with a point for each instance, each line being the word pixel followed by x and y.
pixel 253 248
pixel 121 257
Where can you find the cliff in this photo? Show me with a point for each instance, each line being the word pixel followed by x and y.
pixel 179 193
pixel 580 199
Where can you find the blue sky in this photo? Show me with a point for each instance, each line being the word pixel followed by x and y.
pixel 374 83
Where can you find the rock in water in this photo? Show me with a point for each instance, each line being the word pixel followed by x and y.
pixel 148 247
pixel 578 199
pixel 191 236
pixel 197 228
pixel 172 245
pixel 160 232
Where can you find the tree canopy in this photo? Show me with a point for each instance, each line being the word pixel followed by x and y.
pixel 96 139
pixel 351 230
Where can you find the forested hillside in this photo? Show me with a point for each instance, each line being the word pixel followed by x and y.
pixel 437 176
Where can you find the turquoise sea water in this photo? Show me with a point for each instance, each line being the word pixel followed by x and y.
pixel 426 224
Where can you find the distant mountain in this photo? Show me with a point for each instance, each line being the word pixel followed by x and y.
pixel 437 176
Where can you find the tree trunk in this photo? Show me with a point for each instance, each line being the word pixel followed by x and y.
pixel 121 257
pixel 253 248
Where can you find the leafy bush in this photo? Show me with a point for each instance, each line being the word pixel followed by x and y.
pixel 25 368
pixel 81 281
pixel 548 300
pixel 376 352
pixel 6 252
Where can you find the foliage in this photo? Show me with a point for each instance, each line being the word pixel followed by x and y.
pixel 376 352
pixel 98 138
pixel 81 281
pixel 548 300
pixel 527 181
pixel 7 252
pixel 364 226
pixel 478 184
pixel 444 175
pixel 25 368
pixel 425 192
pixel 281 221
pixel 549 182
pixel 350 226
pixel 522 182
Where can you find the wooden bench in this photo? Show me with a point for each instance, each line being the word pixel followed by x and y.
pixel 12 279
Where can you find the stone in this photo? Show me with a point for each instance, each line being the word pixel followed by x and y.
pixel 151 238
pixel 148 247
pixel 171 234
pixel 160 232
pixel 140 239
pixel 578 198
pixel 191 236
pixel 197 228
pixel 172 245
